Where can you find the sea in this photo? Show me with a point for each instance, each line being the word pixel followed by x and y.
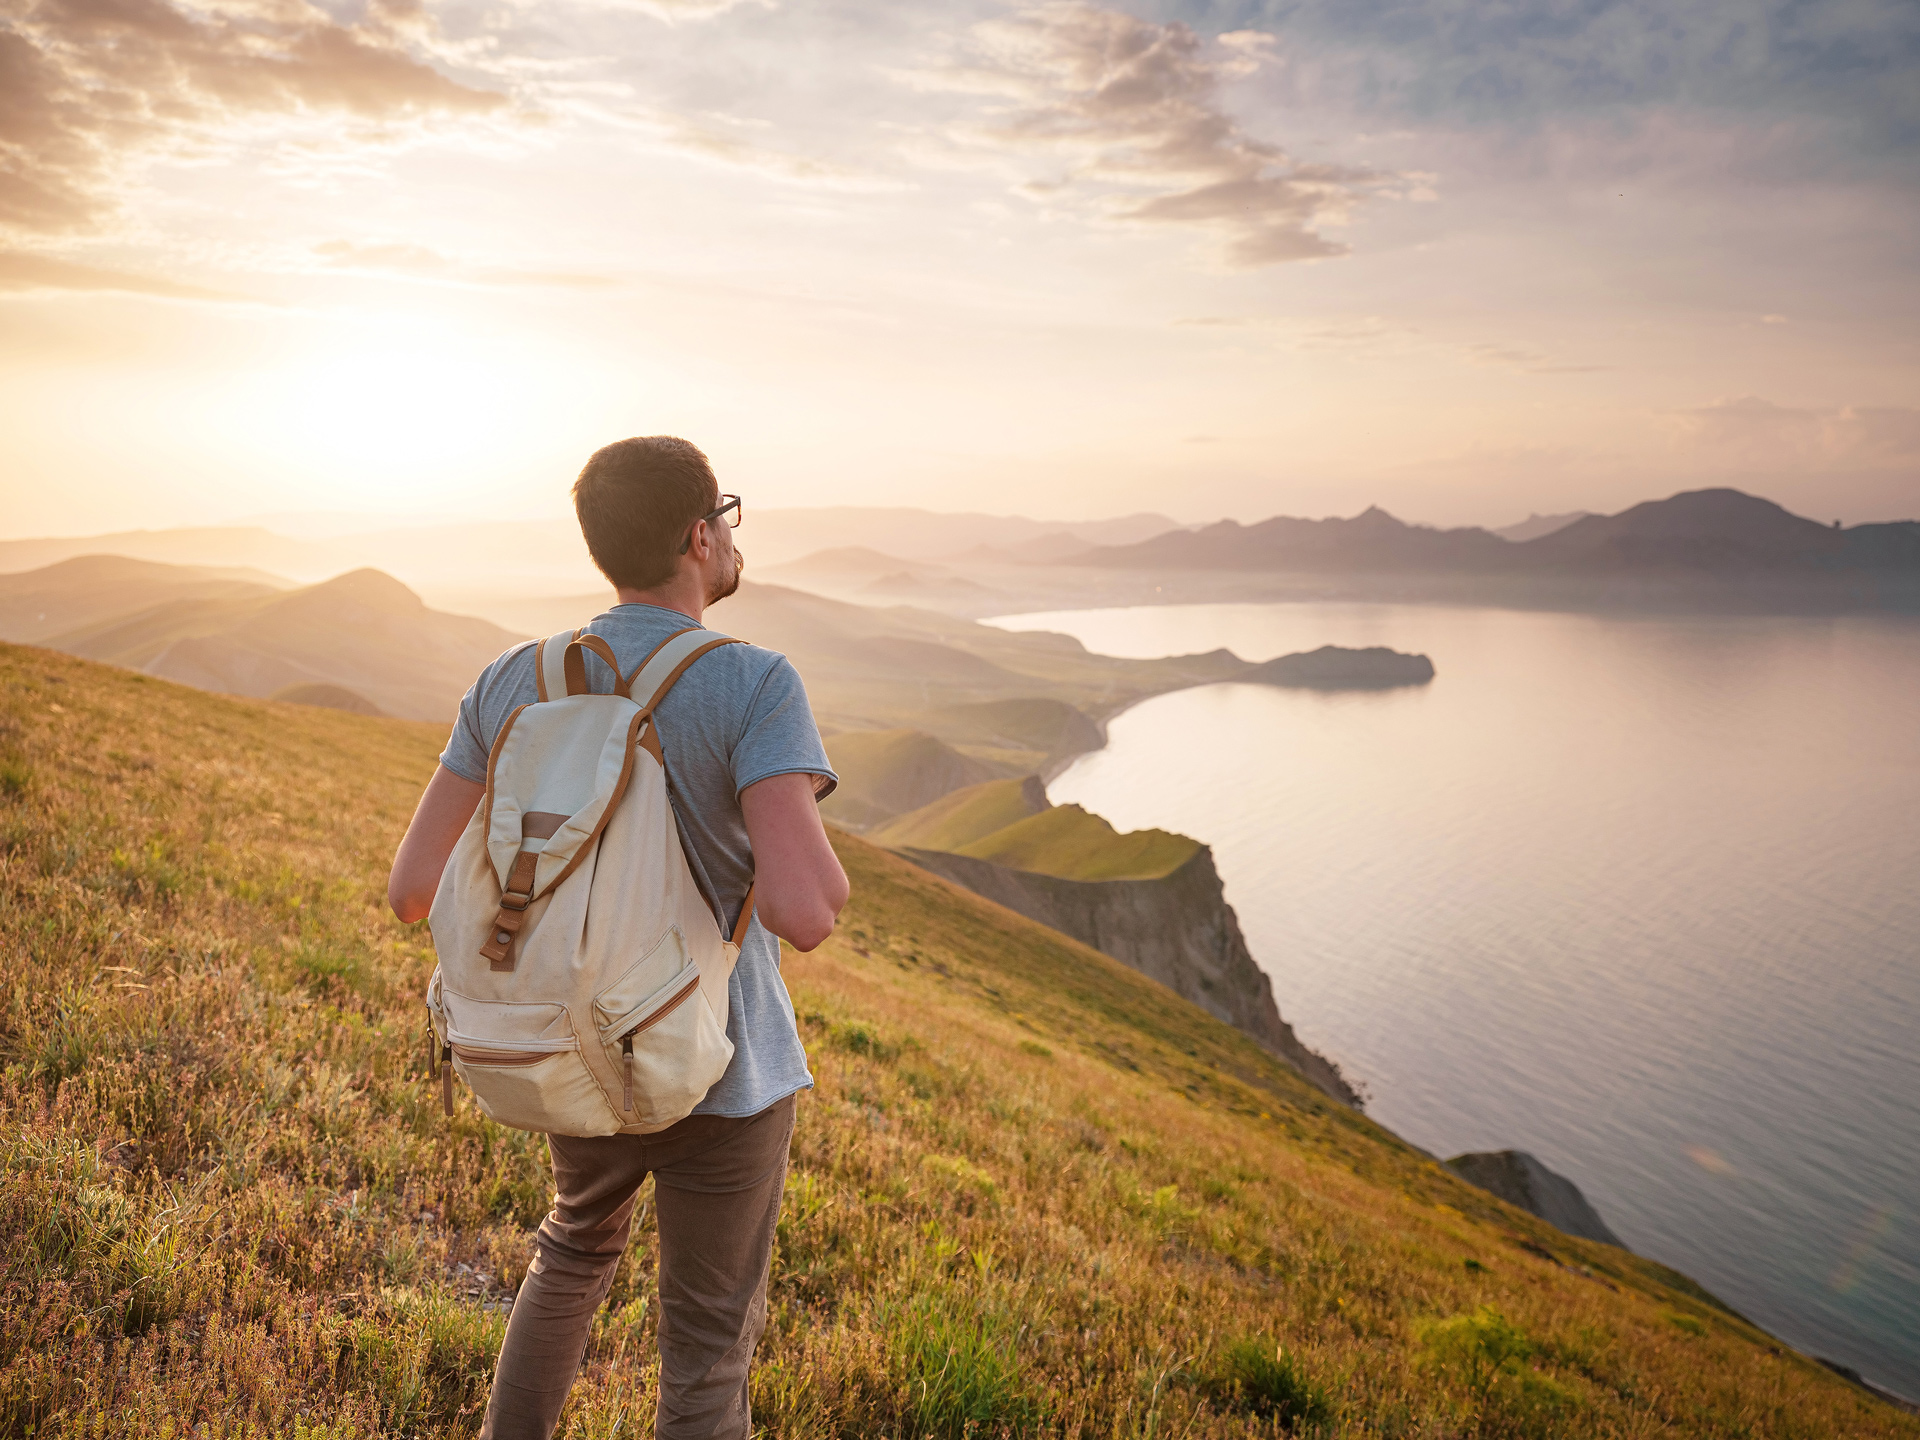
pixel 1640 896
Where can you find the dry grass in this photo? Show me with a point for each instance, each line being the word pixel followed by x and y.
pixel 1032 1194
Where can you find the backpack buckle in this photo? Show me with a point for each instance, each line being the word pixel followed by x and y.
pixel 515 897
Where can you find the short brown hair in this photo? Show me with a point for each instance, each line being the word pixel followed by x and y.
pixel 636 500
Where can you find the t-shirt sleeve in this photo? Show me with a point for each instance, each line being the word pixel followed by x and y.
pixel 779 737
pixel 467 749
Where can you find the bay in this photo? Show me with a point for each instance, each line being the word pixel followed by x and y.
pixel 1638 895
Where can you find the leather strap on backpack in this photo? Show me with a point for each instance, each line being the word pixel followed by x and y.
pixel 560 669
pixel 515 896
pixel 746 919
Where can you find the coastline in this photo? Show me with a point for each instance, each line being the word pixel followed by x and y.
pixel 1530 675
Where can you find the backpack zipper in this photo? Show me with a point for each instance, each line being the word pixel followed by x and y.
pixel 475 1056
pixel 626 1040
pixel 443 1053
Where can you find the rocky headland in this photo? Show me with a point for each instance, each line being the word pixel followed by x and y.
pixel 1519 1179
pixel 1335 667
pixel 1177 929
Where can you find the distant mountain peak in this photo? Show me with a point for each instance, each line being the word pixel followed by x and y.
pixel 366 586
pixel 1376 518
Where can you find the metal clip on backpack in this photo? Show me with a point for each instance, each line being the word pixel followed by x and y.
pixel 582 984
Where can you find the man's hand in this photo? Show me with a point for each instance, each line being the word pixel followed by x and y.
pixel 799 886
pixel 444 811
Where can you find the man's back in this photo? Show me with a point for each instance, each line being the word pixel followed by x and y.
pixel 738 716
pixel 745 768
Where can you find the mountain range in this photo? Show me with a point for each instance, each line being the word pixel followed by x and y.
pixel 1015 701
pixel 465 565
pixel 1716 532
pixel 358 641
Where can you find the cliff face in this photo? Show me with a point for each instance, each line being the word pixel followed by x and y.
pixel 1178 930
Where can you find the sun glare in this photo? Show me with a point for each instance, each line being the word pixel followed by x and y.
pixel 405 407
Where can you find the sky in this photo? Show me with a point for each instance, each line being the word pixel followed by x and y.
pixel 1467 260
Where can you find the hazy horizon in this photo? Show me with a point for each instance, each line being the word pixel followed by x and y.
pixel 1063 260
pixel 324 525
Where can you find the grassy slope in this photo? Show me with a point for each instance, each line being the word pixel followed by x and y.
pixel 1067 841
pixel 884 773
pixel 1031 1189
pixel 959 817
pixel 1027 735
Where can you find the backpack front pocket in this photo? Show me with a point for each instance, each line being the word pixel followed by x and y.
pixel 524 1065
pixel 665 1042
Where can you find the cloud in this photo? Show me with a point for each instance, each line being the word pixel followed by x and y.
pixel 1129 113
pixel 399 258
pixel 88 88
pixel 1856 61
pixel 382 256
pixel 675 10
pixel 716 138
pixel 1768 436
pixel 20 271
pixel 1525 359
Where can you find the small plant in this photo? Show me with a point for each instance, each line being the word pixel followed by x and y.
pixel 1487 1354
pixel 857 1037
pixel 1480 1349
pixel 961 1372
pixel 1685 1323
pixel 1034 1047
pixel 1258 1378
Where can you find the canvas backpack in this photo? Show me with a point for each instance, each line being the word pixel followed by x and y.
pixel 582 983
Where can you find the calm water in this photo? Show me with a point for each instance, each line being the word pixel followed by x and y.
pixel 1641 896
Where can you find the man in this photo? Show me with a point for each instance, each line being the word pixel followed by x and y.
pixel 745 770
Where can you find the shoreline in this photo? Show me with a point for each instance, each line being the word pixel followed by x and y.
pixel 1805 1314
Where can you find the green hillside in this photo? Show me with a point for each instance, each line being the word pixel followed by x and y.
pixel 1032 1194
pixel 884 773
pixel 1010 823
pixel 1068 842
pixel 1028 734
pixel 964 815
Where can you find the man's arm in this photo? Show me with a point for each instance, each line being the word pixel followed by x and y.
pixel 444 811
pixel 799 886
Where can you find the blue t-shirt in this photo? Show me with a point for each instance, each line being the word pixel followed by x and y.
pixel 738 715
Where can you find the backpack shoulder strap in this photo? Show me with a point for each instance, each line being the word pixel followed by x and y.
pixel 669 661
pixel 560 664
pixel 550 664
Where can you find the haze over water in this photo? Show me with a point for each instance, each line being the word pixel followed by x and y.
pixel 1636 895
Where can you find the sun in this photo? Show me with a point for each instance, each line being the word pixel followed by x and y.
pixel 402 409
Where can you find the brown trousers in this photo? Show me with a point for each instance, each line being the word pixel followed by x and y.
pixel 717 1185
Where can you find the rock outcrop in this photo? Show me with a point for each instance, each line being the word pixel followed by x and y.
pixel 1519 1179
pixel 1178 930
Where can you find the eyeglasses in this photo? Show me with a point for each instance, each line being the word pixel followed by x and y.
pixel 730 507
